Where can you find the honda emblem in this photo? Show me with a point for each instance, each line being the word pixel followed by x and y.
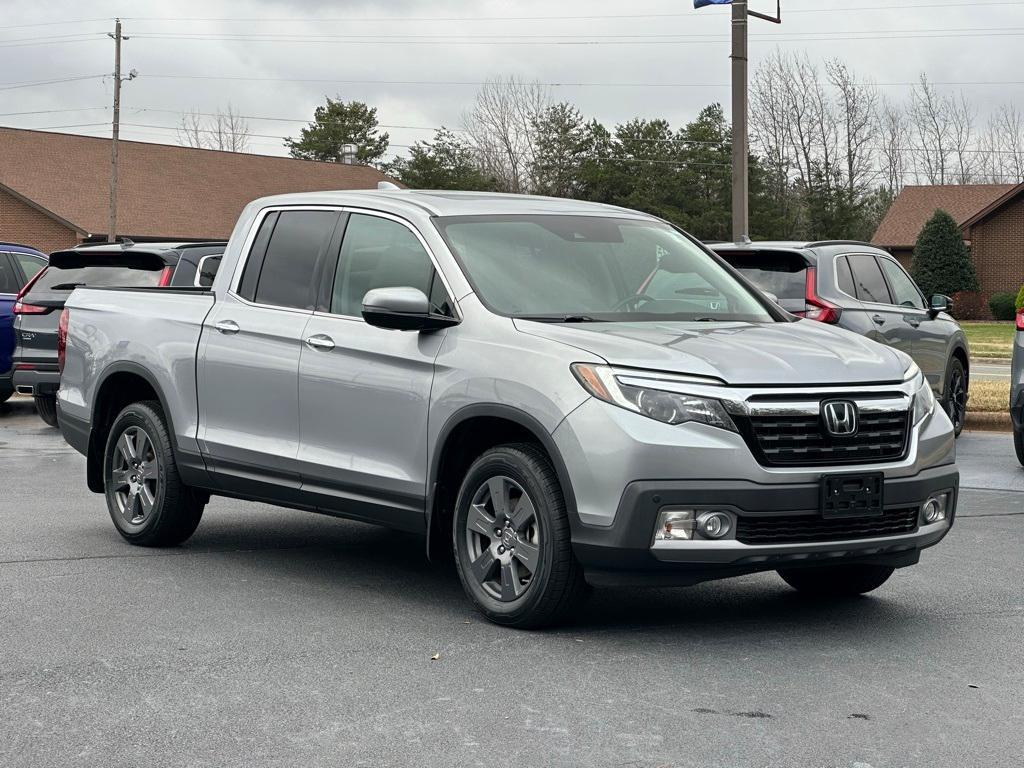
pixel 839 418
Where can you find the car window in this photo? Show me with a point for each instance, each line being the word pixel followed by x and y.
pixel 298 240
pixel 10 281
pixel 844 276
pixel 30 265
pixel 867 278
pixel 904 289
pixel 208 266
pixel 55 283
pixel 381 253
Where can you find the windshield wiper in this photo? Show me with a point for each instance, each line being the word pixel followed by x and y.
pixel 558 318
pixel 67 286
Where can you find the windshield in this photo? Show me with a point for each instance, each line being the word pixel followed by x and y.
pixel 586 268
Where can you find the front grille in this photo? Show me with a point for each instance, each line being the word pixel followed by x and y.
pixel 798 529
pixel 801 440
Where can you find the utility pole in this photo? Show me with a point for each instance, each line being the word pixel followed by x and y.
pixel 740 140
pixel 115 133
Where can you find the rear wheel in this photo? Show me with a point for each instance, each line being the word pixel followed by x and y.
pixel 5 394
pixel 147 501
pixel 1018 444
pixel 511 539
pixel 955 401
pixel 837 580
pixel 46 407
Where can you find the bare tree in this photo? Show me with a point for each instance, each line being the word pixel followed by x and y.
pixel 225 130
pixel 858 109
pixel 1003 146
pixel 501 127
pixel 894 137
pixel 932 131
pixel 961 120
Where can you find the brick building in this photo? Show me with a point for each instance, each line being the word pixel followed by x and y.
pixel 991 218
pixel 55 188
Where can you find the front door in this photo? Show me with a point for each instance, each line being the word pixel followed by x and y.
pixel 248 363
pixel 884 318
pixel 930 336
pixel 364 392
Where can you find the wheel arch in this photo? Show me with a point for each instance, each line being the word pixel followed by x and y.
pixel 120 385
pixel 461 440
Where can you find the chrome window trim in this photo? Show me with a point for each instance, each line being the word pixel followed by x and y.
pixel 236 276
pixel 199 269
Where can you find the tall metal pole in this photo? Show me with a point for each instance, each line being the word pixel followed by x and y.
pixel 740 170
pixel 112 223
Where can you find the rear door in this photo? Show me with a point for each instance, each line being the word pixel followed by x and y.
pixel 248 359
pixel 364 392
pixel 930 336
pixel 884 318
pixel 10 284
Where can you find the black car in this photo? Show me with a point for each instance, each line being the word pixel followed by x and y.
pixel 38 308
pixel 865 290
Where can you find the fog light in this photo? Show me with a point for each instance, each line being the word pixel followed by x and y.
pixel 714 525
pixel 674 525
pixel 934 510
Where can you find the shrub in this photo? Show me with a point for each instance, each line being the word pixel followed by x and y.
pixel 1003 305
pixel 942 263
pixel 1020 298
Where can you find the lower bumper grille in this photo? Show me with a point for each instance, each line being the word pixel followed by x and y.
pixel 797 529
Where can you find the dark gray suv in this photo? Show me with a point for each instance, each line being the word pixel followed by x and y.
pixel 865 290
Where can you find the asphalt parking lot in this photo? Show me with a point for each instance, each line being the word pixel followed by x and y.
pixel 283 638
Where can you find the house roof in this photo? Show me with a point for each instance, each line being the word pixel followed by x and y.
pixel 913 207
pixel 164 191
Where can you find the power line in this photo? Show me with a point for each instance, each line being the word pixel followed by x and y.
pixel 50 111
pixel 55 23
pixel 35 83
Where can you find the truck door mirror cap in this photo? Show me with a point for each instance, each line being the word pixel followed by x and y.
pixel 940 303
pixel 402 309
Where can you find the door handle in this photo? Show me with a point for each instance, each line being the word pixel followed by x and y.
pixel 320 341
pixel 226 326
pixel 913 322
pixel 879 320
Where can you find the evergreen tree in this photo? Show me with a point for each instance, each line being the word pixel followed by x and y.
pixel 336 124
pixel 447 162
pixel 942 263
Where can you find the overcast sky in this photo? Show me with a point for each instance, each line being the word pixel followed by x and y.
pixel 674 58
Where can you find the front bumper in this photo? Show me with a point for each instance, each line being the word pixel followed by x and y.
pixel 626 553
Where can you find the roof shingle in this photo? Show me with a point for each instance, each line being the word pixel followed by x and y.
pixel 164 191
pixel 913 207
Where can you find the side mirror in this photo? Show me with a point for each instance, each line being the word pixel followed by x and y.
pixel 402 309
pixel 940 303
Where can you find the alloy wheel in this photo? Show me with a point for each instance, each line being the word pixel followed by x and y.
pixel 134 475
pixel 957 397
pixel 503 539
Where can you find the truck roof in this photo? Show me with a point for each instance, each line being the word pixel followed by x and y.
pixel 451 203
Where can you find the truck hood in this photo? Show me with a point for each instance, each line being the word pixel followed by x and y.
pixel 797 353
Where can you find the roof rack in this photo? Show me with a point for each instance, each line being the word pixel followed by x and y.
pixel 822 243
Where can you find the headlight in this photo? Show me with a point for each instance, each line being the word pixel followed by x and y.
pixel 924 401
pixel 657 404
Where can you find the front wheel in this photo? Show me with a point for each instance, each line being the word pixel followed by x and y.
pixel 1018 444
pixel 46 407
pixel 511 539
pixel 955 401
pixel 147 501
pixel 837 580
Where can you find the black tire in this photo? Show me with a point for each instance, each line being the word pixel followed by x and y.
pixel 954 400
pixel 837 580
pixel 556 586
pixel 174 510
pixel 5 394
pixel 46 407
pixel 1018 445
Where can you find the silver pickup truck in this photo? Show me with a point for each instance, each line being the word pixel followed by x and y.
pixel 553 392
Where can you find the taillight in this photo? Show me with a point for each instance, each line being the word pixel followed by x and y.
pixel 20 307
pixel 1020 319
pixel 62 338
pixel 165 277
pixel 815 307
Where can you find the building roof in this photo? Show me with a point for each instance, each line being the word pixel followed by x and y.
pixel 164 191
pixel 914 206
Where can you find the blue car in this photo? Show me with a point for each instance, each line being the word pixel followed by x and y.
pixel 18 265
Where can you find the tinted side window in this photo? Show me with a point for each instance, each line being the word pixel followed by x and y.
pixel 381 253
pixel 845 277
pixel 10 281
pixel 30 265
pixel 208 267
pixel 868 279
pixel 904 289
pixel 298 240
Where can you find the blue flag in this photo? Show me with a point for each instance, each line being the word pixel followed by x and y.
pixel 702 3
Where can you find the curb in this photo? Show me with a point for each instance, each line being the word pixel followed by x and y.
pixel 991 360
pixel 988 421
